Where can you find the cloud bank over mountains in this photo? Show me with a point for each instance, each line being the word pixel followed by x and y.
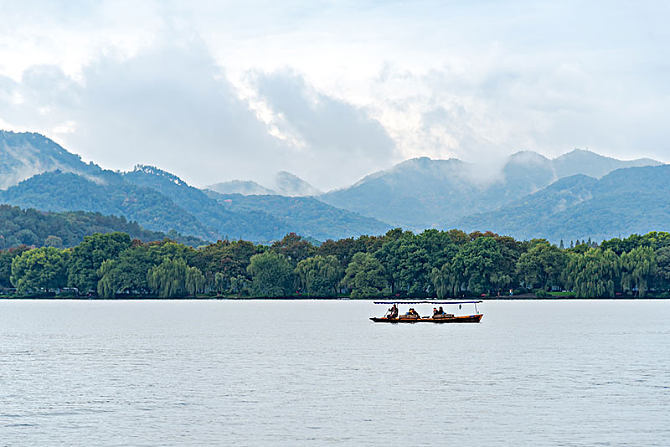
pixel 332 92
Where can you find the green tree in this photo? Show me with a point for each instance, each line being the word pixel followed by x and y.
pixel 407 265
pixel 638 270
pixel 483 266
pixel 542 266
pixel 126 274
pixel 295 248
pixel 319 275
pixel 663 270
pixel 195 281
pixel 87 257
pixel 168 279
pixel 39 269
pixel 6 258
pixel 447 280
pixel 53 241
pixel 365 276
pixel 271 275
pixel 223 261
pixel 594 273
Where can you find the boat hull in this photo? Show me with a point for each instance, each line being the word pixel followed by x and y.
pixel 459 319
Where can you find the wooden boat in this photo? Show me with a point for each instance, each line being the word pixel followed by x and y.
pixel 439 318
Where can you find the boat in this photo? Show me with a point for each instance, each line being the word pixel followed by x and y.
pixel 413 317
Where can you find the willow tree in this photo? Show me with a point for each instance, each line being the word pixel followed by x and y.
pixel 168 279
pixel 320 275
pixel 639 268
pixel 594 273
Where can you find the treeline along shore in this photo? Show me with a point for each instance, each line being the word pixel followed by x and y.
pixel 399 264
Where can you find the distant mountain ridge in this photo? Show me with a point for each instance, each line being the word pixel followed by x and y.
pixel 285 184
pixel 625 201
pixel 23 155
pixel 160 201
pixel 415 194
pixel 424 193
pixel 307 215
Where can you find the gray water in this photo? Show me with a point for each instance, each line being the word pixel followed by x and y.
pixel 320 373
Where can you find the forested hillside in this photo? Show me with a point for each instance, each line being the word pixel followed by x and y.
pixel 35 228
pixel 424 193
pixel 633 200
pixel 108 194
pixel 304 215
pixel 25 154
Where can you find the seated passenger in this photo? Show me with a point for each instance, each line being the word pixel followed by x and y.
pixel 412 313
pixel 435 311
pixel 440 311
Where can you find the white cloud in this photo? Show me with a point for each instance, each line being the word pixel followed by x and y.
pixel 330 91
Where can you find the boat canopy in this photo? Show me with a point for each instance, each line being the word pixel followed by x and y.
pixel 427 302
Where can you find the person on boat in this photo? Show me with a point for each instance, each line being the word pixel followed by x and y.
pixel 440 311
pixel 435 311
pixel 393 311
pixel 412 313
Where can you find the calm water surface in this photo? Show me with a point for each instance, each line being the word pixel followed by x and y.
pixel 291 373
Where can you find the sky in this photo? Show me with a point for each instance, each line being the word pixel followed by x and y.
pixel 334 90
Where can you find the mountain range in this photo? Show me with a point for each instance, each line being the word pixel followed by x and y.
pixel 158 200
pixel 285 184
pixel 625 201
pixel 424 193
pixel 577 195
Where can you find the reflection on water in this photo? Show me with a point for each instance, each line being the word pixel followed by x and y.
pixel 307 372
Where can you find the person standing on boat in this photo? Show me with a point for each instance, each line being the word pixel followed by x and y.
pixel 393 311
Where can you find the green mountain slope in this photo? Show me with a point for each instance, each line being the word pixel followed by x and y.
pixel 422 193
pixel 32 227
pixel 626 201
pixel 25 154
pixel 305 215
pixel 254 225
pixel 108 194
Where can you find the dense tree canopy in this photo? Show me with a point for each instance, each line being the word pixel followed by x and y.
pixel 399 263
pixel 272 275
pixel 319 275
pixel 40 269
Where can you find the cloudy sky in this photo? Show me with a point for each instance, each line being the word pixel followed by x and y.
pixel 333 90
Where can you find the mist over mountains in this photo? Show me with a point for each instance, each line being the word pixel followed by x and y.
pixel 577 195
pixel 424 193
pixel 285 184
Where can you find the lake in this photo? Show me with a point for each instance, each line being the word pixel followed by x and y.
pixel 156 373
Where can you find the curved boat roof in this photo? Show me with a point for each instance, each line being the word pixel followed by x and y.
pixel 427 302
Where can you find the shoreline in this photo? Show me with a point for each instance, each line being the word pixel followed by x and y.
pixel 483 299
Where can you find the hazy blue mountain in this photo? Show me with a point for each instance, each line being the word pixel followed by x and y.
pixel 594 165
pixel 38 228
pixel 422 192
pixel 156 199
pixel 415 193
pixel 23 155
pixel 255 225
pixel 305 215
pixel 287 184
pixel 244 187
pixel 625 201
